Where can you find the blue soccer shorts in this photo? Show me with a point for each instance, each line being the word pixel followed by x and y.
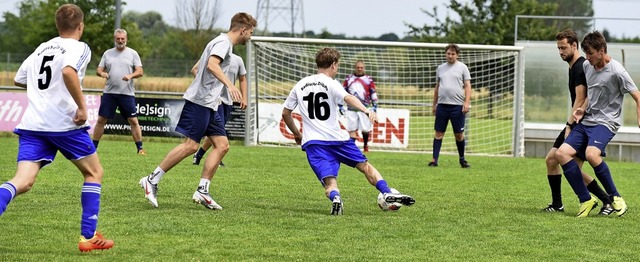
pixel 224 111
pixel 197 121
pixel 42 147
pixel 446 113
pixel 583 136
pixel 110 102
pixel 325 156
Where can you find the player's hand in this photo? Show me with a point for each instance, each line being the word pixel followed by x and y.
pixel 465 108
pixel 236 96
pixel 126 78
pixel 243 103
pixel 578 114
pixel 433 109
pixel 373 116
pixel 298 138
pixel 104 75
pixel 81 116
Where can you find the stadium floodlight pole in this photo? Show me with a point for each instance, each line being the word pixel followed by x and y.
pixel 118 14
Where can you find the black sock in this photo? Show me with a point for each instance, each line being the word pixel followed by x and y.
pixel 365 137
pixel 597 190
pixel 200 152
pixel 555 183
pixel 139 145
pixel 95 143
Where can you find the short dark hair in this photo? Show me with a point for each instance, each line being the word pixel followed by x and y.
pixel 68 17
pixel 454 47
pixel 568 34
pixel 240 20
pixel 594 40
pixel 326 57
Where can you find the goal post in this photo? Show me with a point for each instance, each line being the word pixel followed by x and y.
pixel 404 74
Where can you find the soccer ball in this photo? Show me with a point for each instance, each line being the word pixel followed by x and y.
pixel 382 203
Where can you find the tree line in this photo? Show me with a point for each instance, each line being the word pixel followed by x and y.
pixel 478 22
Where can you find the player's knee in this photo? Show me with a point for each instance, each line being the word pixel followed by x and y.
pixel 551 160
pixel 102 120
pixel 592 156
pixel 439 135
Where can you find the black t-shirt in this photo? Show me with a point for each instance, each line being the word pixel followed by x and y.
pixel 576 78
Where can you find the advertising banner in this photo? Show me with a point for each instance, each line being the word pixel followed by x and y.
pixel 391 131
pixel 13 106
pixel 157 117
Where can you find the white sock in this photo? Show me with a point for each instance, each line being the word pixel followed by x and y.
pixel 157 174
pixel 204 185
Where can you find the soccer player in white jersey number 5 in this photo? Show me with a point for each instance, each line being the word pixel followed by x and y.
pixel 318 96
pixel 56 120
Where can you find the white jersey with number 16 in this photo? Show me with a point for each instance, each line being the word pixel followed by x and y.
pixel 318 97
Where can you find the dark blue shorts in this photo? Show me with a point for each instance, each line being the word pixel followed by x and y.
pixel 224 111
pixel 112 102
pixel 582 136
pixel 325 156
pixel 446 113
pixel 42 147
pixel 197 121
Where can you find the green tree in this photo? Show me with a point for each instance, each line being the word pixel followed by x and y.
pixel 484 22
pixel 36 24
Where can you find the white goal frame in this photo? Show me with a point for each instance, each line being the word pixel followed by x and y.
pixel 257 84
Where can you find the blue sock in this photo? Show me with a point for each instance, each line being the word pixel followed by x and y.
pixel 574 177
pixel 95 143
pixel 460 145
pixel 437 144
pixel 200 152
pixel 604 175
pixel 382 186
pixel 90 199
pixel 139 145
pixel 333 194
pixel 7 193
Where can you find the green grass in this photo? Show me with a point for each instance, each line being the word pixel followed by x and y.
pixel 275 210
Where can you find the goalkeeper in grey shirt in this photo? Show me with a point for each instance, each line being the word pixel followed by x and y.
pixel 607 82
pixel 119 65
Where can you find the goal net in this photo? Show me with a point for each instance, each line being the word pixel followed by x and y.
pixel 404 74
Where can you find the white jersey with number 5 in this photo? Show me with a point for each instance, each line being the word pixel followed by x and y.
pixel 318 97
pixel 51 107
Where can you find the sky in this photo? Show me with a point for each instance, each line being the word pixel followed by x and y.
pixel 358 18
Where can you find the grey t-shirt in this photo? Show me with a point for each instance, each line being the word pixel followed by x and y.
pixel 118 64
pixel 205 89
pixel 605 90
pixel 451 79
pixel 236 69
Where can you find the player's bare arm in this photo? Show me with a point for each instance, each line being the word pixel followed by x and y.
pixel 72 82
pixel 213 65
pixel 467 96
pixel 137 73
pixel 19 84
pixel 101 73
pixel 288 120
pixel 636 97
pixel 355 102
pixel 243 90
pixel 435 98
pixel 194 69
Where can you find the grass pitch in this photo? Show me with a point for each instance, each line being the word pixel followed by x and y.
pixel 275 210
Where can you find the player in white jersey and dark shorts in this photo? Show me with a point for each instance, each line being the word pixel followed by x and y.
pixel 326 144
pixel 607 82
pixel 236 71
pixel 56 120
pixel 119 65
pixel 199 118
pixel 362 87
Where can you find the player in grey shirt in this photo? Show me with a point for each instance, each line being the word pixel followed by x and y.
pixel 451 102
pixel 607 82
pixel 119 65
pixel 236 70
pixel 199 118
